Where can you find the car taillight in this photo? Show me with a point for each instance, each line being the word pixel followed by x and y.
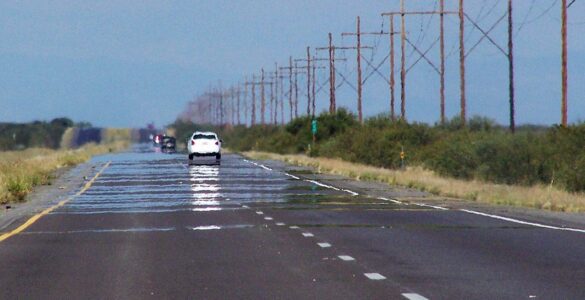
pixel 192 142
pixel 217 143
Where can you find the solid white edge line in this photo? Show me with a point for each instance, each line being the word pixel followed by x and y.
pixel 391 200
pixel 413 296
pixel 264 167
pixel 431 206
pixel 351 192
pixel 522 222
pixel 375 276
pixel 292 176
pixel 322 184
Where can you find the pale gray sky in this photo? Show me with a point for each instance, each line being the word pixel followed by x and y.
pixel 125 63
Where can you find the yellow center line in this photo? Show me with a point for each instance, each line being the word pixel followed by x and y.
pixel 45 212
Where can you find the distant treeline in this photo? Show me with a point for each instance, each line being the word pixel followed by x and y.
pixel 483 150
pixel 63 133
pixel 17 136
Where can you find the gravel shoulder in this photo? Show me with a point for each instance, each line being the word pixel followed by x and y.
pixel 68 181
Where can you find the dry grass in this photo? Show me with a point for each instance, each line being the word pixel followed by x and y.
pixel 20 171
pixel 538 196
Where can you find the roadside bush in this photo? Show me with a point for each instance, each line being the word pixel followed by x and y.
pixel 483 150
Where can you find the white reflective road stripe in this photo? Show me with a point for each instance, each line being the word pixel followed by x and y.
pixel 324 245
pixel 522 222
pixel 391 200
pixel 307 234
pixel 346 257
pixel 292 176
pixel 413 296
pixel 374 276
pixel 322 184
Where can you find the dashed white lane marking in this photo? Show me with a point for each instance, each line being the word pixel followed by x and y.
pixel 346 257
pixel 522 222
pixel 322 184
pixel 307 234
pixel 391 200
pixel 210 227
pixel 294 227
pixel 259 212
pixel 292 176
pixel 413 296
pixel 268 218
pixel 374 276
pixel 280 224
pixel 324 245
pixel 245 206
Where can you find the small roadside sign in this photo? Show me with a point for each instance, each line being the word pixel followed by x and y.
pixel 314 127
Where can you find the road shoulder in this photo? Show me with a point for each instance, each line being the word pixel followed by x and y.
pixel 67 182
pixel 409 195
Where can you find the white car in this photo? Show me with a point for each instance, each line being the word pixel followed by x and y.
pixel 204 144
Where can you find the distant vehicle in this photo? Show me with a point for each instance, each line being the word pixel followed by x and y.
pixel 168 144
pixel 204 144
pixel 157 140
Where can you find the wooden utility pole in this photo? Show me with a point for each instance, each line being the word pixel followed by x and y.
pixel 291 84
pixel 564 76
pixel 313 91
pixel 403 71
pixel 263 100
pixel 331 48
pixel 290 87
pixel 462 61
pixel 511 67
pixel 359 48
pixel 442 50
pixel 296 92
pixel 239 91
pixel 245 101
pixel 402 63
pixel 276 75
pixel 253 83
pixel 311 61
pixel 392 81
pixel 308 81
pixel 332 105
pixel 359 71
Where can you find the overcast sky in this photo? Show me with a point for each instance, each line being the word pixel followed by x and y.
pixel 126 63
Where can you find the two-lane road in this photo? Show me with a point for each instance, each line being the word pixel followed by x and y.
pixel 153 226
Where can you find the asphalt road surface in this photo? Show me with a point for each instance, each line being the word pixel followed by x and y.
pixel 151 225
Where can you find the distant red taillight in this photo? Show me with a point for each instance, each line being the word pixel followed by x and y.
pixel 217 143
pixel 192 142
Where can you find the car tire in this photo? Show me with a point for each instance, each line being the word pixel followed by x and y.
pixel 190 156
pixel 218 156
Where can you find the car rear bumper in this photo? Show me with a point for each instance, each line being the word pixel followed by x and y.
pixel 205 154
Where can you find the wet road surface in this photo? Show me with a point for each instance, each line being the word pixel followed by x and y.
pixel 154 226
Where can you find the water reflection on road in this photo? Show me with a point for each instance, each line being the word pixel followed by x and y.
pixel 142 181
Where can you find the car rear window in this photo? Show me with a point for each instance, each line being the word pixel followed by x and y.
pixel 204 136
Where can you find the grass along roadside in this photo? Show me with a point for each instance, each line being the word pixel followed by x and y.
pixel 21 171
pixel 537 196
